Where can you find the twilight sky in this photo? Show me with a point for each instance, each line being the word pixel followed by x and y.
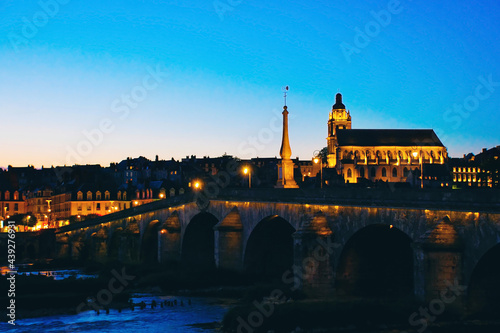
pixel 97 81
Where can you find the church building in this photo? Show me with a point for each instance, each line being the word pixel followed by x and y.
pixel 379 154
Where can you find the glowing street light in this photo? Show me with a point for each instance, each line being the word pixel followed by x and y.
pixel 316 160
pixel 247 170
pixel 197 184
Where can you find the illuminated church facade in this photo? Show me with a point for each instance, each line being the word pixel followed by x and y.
pixel 388 155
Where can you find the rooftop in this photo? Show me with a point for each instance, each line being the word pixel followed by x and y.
pixel 388 137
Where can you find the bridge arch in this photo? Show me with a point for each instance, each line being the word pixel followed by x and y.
pixel 149 243
pixel 198 242
pixel 269 249
pixel 483 294
pixel 376 261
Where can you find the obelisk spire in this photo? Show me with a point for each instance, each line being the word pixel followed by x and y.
pixel 285 169
pixel 285 151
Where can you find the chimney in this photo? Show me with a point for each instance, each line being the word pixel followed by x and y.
pixel 484 150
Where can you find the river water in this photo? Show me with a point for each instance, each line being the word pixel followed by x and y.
pixel 201 316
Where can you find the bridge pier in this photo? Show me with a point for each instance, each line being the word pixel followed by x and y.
pixel 229 242
pixel 129 247
pixel 169 240
pixel 99 245
pixel 63 248
pixel 78 246
pixel 313 257
pixel 439 266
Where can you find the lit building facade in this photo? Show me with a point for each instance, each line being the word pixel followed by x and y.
pixel 479 170
pixel 379 154
pixel 83 203
pixel 39 203
pixel 12 203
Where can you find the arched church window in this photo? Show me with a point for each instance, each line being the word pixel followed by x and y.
pixel 349 173
pixel 384 172
pixel 373 172
pixel 362 172
pixel 405 172
pixel 394 172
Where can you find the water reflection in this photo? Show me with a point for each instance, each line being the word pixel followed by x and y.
pixel 55 274
pixel 201 316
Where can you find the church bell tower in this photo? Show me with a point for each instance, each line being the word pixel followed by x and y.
pixel 339 119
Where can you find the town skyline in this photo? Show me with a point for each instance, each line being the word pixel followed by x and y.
pixel 186 78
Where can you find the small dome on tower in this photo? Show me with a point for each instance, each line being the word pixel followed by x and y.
pixel 338 102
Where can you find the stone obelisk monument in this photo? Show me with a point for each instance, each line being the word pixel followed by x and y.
pixel 285 168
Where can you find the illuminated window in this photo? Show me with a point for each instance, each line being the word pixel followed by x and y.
pixel 473 169
pixel 349 173
pixel 16 195
pixel 119 195
pixel 454 178
pixel 454 169
pixel 124 196
pixel 459 177
pixel 7 195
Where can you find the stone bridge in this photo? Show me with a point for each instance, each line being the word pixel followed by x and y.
pixel 348 241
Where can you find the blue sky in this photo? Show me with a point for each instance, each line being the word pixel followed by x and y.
pixel 76 83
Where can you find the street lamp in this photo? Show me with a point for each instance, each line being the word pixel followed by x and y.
pixel 316 160
pixel 197 185
pixel 248 171
pixel 421 162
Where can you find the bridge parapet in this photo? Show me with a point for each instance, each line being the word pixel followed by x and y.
pixel 470 200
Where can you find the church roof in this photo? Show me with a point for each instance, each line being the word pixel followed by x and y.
pixel 388 137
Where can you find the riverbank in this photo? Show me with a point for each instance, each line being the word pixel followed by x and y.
pixel 348 315
pixel 112 286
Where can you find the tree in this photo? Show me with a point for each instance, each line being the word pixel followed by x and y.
pixel 24 219
pixel 324 154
